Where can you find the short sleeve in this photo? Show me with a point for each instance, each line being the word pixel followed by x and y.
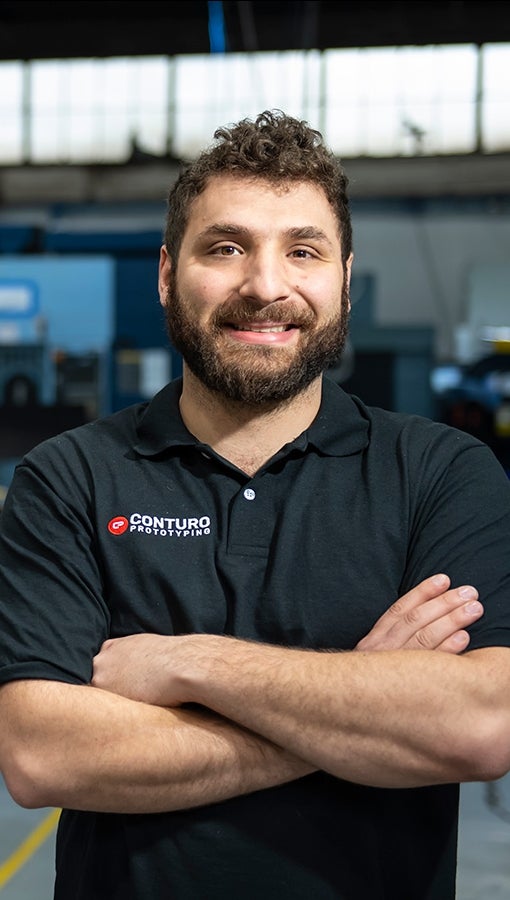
pixel 461 526
pixel 53 616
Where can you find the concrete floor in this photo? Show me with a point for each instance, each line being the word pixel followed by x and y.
pixel 484 842
pixel 34 880
pixel 484 846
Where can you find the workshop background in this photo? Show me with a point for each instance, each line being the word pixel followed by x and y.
pixel 101 103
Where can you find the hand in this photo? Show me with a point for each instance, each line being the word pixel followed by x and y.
pixel 157 669
pixel 154 668
pixel 429 617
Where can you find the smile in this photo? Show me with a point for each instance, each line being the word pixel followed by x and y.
pixel 271 335
pixel 261 329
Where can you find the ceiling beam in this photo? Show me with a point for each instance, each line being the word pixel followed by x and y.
pixel 34 30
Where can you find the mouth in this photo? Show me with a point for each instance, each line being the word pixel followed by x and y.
pixel 273 334
pixel 263 329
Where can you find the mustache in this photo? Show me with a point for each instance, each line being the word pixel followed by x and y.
pixel 241 312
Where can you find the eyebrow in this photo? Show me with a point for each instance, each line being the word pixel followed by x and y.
pixel 309 232
pixel 299 232
pixel 219 228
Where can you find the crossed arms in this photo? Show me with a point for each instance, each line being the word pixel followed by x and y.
pixel 407 715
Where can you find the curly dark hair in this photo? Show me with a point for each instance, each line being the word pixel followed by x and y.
pixel 274 147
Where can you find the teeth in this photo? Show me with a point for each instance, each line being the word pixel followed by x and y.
pixel 274 328
pixel 262 330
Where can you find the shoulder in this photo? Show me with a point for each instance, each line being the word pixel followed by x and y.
pixel 428 456
pixel 77 463
pixel 98 438
pixel 416 436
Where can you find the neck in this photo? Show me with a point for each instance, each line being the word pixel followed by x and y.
pixel 247 436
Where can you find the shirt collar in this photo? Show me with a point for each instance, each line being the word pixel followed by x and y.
pixel 160 426
pixel 339 429
pixel 341 426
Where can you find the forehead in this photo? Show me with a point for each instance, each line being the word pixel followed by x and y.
pixel 258 202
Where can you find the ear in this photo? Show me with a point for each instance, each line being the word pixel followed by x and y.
pixel 165 266
pixel 347 277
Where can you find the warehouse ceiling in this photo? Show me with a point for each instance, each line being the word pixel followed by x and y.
pixel 104 28
pixel 35 30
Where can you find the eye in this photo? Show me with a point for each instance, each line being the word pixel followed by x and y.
pixel 225 250
pixel 303 253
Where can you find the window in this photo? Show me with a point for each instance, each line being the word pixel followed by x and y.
pixel 11 108
pixel 496 97
pixel 215 90
pixel 391 101
pixel 401 101
pixel 92 110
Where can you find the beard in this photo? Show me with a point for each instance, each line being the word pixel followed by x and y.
pixel 250 374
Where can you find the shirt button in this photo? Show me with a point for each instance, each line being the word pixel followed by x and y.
pixel 249 494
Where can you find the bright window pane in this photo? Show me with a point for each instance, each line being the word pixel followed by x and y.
pixel 390 101
pixel 398 101
pixel 216 90
pixel 496 97
pixel 94 110
pixel 11 104
pixel 47 86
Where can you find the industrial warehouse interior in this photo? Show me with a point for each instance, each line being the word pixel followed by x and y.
pixel 102 104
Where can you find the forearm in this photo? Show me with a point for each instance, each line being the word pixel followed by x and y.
pixel 83 748
pixel 392 719
pixel 399 717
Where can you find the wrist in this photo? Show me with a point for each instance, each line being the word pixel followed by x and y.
pixel 207 662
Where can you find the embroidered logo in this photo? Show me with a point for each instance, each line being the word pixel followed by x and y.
pixel 163 526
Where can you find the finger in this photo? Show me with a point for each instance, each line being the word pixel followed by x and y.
pixel 424 591
pixel 456 643
pixel 401 611
pixel 458 604
pixel 444 628
pixel 426 625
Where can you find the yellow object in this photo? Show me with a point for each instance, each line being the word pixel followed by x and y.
pixel 502 420
pixel 29 846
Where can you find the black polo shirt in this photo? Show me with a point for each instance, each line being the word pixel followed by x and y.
pixel 129 524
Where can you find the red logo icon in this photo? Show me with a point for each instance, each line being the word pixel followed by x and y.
pixel 118 525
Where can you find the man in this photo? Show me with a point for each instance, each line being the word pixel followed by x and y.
pixel 176 579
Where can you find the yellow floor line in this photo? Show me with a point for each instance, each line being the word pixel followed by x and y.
pixel 29 846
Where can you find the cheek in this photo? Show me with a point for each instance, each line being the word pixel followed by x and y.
pixel 325 297
pixel 194 292
pixel 201 287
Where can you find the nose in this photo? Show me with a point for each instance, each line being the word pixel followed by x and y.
pixel 264 278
